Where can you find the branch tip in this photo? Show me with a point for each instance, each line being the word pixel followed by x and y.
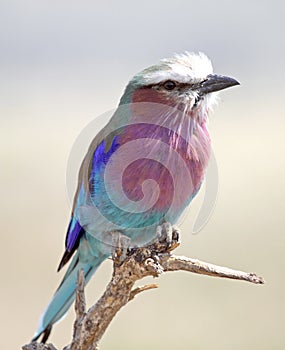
pixel 138 290
pixel 256 279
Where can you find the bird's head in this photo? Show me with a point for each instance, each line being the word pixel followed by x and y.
pixel 185 81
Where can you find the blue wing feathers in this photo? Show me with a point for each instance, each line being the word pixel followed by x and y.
pixel 74 232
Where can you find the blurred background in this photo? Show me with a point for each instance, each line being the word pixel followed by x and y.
pixel 64 63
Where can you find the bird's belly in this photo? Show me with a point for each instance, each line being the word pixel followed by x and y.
pixel 152 194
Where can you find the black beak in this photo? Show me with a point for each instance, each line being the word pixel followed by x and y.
pixel 214 83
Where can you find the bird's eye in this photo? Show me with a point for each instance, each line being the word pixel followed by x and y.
pixel 169 85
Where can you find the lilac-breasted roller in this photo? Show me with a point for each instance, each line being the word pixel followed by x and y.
pixel 142 169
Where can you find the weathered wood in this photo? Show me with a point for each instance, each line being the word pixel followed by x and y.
pixel 152 260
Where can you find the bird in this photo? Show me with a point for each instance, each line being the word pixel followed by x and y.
pixel 142 169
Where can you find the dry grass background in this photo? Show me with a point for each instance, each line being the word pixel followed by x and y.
pixel 63 64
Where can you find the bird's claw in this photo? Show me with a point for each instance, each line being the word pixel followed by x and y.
pixel 121 247
pixel 169 235
pixel 167 238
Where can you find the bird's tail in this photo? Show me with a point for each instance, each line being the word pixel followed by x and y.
pixel 64 295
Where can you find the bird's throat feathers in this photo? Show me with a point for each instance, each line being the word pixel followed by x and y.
pixel 186 126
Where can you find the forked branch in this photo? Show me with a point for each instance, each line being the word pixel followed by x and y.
pixel 138 263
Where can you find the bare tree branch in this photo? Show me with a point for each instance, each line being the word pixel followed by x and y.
pixel 138 263
pixel 181 263
pixel 138 290
pixel 38 346
pixel 80 308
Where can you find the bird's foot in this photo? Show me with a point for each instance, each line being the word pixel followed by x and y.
pixel 121 246
pixel 168 236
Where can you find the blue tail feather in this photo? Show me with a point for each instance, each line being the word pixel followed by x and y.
pixel 65 294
